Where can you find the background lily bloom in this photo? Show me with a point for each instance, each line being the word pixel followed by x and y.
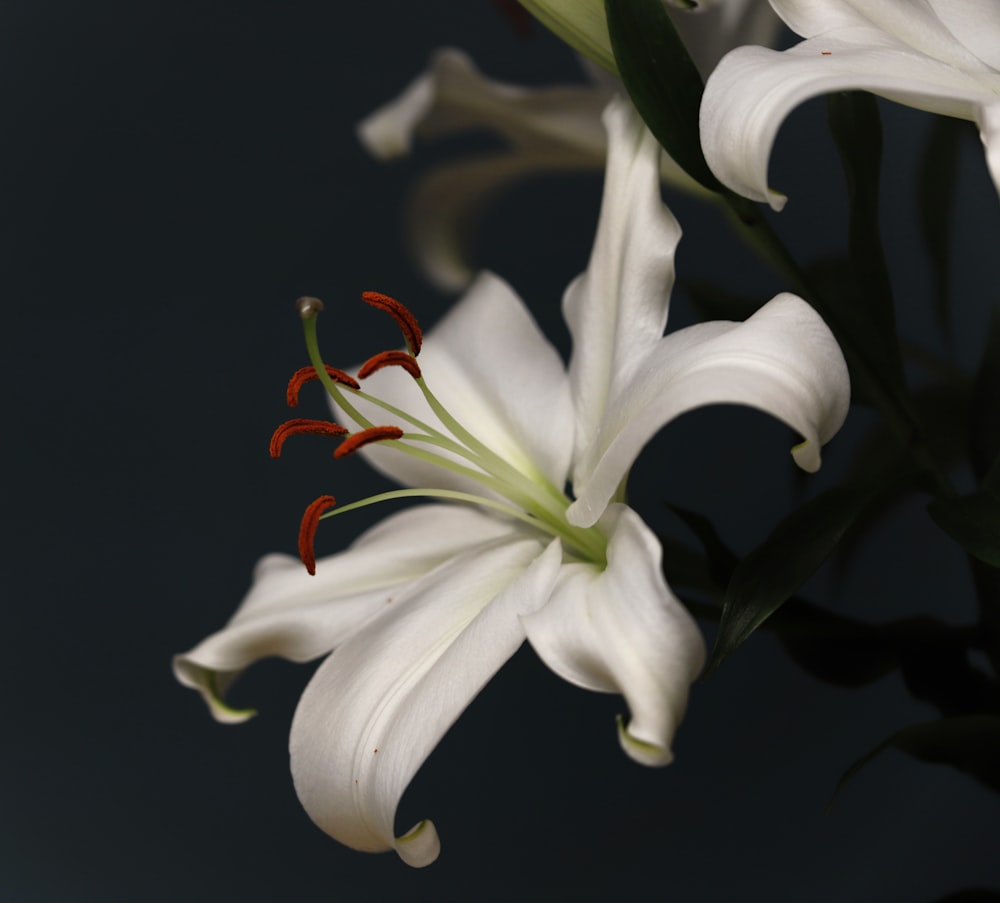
pixel 421 611
pixel 942 56
pixel 708 27
pixel 545 130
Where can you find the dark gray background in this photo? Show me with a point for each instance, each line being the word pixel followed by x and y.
pixel 173 176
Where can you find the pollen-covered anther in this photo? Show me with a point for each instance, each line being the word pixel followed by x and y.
pixel 389 359
pixel 401 314
pixel 365 437
pixel 303 425
pixel 307 530
pixel 308 374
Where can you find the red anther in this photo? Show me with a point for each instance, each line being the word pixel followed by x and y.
pixel 389 359
pixel 364 437
pixel 307 530
pixel 302 425
pixel 399 312
pixel 307 374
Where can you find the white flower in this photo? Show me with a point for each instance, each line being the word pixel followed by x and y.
pixel 942 56
pixel 422 610
pixel 545 130
pixel 716 26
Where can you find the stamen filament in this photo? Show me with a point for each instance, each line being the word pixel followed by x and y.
pixel 578 538
pixel 492 461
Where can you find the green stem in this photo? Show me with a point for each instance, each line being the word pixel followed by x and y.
pixel 757 232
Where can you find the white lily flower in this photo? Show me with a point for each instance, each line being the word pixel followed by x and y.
pixel 545 130
pixel 942 56
pixel 420 612
pixel 715 26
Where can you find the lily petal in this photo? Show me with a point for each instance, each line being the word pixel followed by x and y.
pixel 444 210
pixel 713 29
pixel 454 96
pixel 376 708
pixel 783 360
pixel 287 613
pixel 950 31
pixel 616 311
pixel 621 630
pixel 545 130
pixel 754 89
pixel 496 372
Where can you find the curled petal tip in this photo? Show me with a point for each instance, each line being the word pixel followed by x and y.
pixel 642 751
pixel 806 454
pixel 420 845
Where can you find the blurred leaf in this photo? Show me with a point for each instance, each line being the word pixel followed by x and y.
pixel 664 83
pixel 685 568
pixel 771 573
pixel 973 521
pixel 984 418
pixel 866 313
pixel 937 669
pixel 970 743
pixel 972 895
pixel 944 408
pixel 721 561
pixel 832 648
pixel 936 203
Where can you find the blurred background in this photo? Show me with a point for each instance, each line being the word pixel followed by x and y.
pixel 173 177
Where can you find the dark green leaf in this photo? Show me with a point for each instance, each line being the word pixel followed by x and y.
pixel 936 201
pixel 973 521
pixel 970 744
pixel 944 409
pixel 721 561
pixel 868 311
pixel 685 568
pixel 771 573
pixel 984 418
pixel 832 648
pixel 972 895
pixel 664 83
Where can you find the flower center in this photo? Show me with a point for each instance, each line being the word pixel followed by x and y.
pixel 506 490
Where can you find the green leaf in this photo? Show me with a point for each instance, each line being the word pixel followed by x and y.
pixel 972 895
pixel 936 204
pixel 944 409
pixel 867 312
pixel 984 419
pixel 834 648
pixel 664 83
pixel 973 521
pixel 772 572
pixel 721 561
pixel 970 743
pixel 684 568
